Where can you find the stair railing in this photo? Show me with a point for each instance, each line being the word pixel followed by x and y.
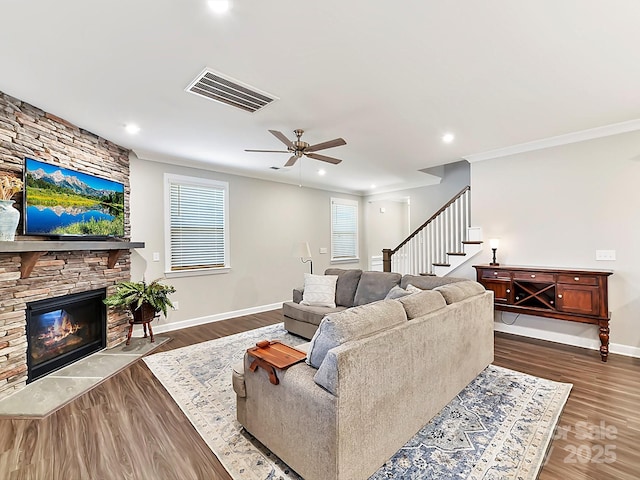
pixel 429 244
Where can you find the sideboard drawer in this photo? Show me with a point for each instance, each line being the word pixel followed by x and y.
pixel 534 277
pixel 501 274
pixel 578 279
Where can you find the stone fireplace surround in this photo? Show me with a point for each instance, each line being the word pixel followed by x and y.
pixel 28 131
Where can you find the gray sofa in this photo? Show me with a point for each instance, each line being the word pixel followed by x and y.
pixel 384 369
pixel 354 288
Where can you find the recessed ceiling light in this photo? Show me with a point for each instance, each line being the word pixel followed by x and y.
pixel 132 128
pixel 448 137
pixel 373 186
pixel 219 6
pixel 321 172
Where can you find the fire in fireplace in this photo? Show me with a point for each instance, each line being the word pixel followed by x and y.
pixel 62 330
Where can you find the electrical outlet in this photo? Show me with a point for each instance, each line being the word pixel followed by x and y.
pixel 156 256
pixel 606 255
pixel 176 305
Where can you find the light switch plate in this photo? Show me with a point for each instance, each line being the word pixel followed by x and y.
pixel 323 249
pixel 156 256
pixel 606 255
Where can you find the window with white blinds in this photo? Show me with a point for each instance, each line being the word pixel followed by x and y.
pixel 344 230
pixel 197 231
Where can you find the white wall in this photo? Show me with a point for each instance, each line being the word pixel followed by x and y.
pixel 266 220
pixel 555 207
pixel 385 229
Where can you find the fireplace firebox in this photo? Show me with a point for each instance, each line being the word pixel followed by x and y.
pixel 62 330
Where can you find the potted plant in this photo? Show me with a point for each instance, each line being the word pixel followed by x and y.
pixel 9 216
pixel 144 300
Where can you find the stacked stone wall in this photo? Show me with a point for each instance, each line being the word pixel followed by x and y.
pixel 27 131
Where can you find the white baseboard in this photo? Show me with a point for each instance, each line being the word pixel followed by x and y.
pixel 168 327
pixel 565 338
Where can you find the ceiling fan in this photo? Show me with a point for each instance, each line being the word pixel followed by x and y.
pixel 299 148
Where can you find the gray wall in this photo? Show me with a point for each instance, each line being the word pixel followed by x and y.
pixel 555 207
pixel 389 229
pixel 266 220
pixel 426 201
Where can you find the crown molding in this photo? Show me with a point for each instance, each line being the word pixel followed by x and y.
pixel 581 136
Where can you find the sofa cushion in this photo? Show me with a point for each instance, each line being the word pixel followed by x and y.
pixel 352 324
pixel 327 374
pixel 458 291
pixel 307 314
pixel 319 290
pixel 346 286
pixel 374 286
pixel 419 304
pixel 427 282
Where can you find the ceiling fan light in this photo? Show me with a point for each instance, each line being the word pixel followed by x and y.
pixel 322 172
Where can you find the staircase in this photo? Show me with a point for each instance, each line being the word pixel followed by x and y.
pixel 441 244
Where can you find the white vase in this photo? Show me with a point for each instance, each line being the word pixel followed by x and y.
pixel 9 218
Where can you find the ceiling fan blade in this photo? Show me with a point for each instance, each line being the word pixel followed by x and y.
pixel 323 158
pixel 280 136
pixel 291 161
pixel 267 151
pixel 330 144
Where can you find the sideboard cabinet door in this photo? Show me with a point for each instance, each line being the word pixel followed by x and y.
pixel 580 299
pixel 501 290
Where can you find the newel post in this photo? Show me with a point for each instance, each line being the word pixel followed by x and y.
pixel 386 259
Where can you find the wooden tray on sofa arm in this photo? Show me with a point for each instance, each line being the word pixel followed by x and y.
pixel 272 355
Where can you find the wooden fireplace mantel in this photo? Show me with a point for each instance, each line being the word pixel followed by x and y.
pixel 31 250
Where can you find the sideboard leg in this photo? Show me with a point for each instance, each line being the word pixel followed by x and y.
pixel 604 339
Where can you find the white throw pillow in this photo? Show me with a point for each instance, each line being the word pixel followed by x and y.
pixel 412 289
pixel 319 290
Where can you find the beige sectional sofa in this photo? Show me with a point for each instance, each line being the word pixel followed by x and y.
pixel 378 373
pixel 354 288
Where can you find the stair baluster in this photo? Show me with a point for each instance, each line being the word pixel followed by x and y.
pixel 443 233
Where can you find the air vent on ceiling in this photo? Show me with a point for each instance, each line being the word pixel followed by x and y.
pixel 223 89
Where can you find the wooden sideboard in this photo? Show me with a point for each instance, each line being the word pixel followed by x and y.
pixel 576 295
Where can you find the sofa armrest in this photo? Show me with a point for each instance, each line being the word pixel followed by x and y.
pixel 296 419
pixel 297 294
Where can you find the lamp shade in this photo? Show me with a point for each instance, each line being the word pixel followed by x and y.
pixel 494 242
pixel 302 250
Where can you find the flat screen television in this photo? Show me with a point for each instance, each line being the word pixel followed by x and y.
pixel 60 202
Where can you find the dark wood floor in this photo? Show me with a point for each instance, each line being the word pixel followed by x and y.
pixel 130 428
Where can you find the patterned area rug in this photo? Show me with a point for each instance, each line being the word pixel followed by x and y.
pixel 499 426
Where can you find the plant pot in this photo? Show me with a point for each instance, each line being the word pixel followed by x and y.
pixel 9 218
pixel 144 314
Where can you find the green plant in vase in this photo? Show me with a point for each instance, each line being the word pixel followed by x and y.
pixel 142 296
pixel 144 300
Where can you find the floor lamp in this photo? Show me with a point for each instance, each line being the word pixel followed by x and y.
pixel 302 251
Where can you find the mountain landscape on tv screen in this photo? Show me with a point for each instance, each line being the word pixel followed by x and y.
pixel 64 202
